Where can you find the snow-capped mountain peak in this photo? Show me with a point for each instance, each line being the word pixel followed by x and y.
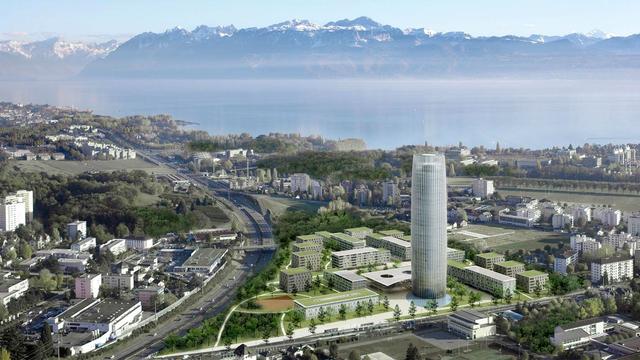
pixel 57 48
pixel 599 34
pixel 296 25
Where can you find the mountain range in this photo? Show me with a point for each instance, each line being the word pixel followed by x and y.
pixel 360 47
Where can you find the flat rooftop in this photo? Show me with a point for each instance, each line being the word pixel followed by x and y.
pixel 348 275
pixel 486 272
pixel 359 229
pixel 390 277
pixel 510 263
pixel 97 311
pixel 309 237
pixel 336 297
pixel 307 253
pixel 457 264
pixel 362 250
pixel 293 271
pixel 307 244
pixel 345 237
pixel 6 283
pixel 397 241
pixel 392 232
pixel 489 255
pixel 204 257
pixel 532 273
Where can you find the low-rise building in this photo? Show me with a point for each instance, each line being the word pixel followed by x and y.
pixel 12 288
pixel 139 243
pixel 347 242
pixel 311 260
pixel 482 188
pixel 333 301
pixel 398 248
pixel 67 265
pixel 294 280
pixel 203 261
pixel 118 281
pixel 481 278
pixel 455 254
pixel 115 246
pixel 578 333
pixel 77 230
pixel 85 244
pixel 359 232
pixel 509 268
pixel 315 238
pixel 355 258
pixel 529 281
pixel 150 296
pixel 88 286
pixel 486 260
pixel 344 280
pixel 307 246
pixel 612 269
pixel 471 324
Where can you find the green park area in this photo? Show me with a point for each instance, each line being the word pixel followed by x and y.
pixel 72 167
pixel 624 202
pixel 279 205
pixel 501 238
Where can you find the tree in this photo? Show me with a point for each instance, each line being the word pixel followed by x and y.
pixel 312 326
pixel 343 311
pixel 454 303
pixel 24 250
pixel 330 283
pixel 122 230
pixel 317 282
pixel 538 289
pixel 397 313
pixel 385 303
pixel 370 306
pixel 266 334
pixel 354 355
pixel 321 314
pixel 46 340
pixel 412 309
pixel 508 296
pixel 412 352
pixel 307 285
pixel 359 309
pixel 290 331
pixel 474 297
pixel 433 306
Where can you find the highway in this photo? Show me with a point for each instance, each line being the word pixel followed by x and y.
pixel 218 297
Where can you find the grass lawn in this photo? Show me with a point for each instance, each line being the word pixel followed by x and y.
pixel 70 167
pixel 510 238
pixel 624 202
pixel 279 205
pixel 483 354
pixel 460 180
pixel 378 309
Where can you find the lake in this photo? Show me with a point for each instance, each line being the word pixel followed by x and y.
pixel 385 113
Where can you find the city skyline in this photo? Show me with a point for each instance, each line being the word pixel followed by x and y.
pixel 33 20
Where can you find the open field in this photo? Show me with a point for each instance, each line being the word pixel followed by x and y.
pixel 69 167
pixel 624 202
pixel 502 238
pixel 459 181
pixel 276 304
pixel 279 205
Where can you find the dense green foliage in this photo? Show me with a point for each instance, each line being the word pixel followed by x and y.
pixel 250 325
pixel 159 221
pixel 338 165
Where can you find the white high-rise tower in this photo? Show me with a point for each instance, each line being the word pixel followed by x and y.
pixel 429 226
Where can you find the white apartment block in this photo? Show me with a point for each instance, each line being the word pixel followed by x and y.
pixel 633 224
pixel 316 189
pixel 581 211
pixel 470 324
pixel 399 249
pixel 608 216
pixel 390 192
pixel 482 188
pixel 584 244
pixel 560 221
pixel 88 286
pixel 12 288
pixel 355 258
pixel 118 281
pixel 27 197
pixel 300 182
pixel 139 244
pixel 85 244
pixel 563 260
pixel 578 333
pixel 115 246
pixel 617 268
pixel 77 230
pixel 12 213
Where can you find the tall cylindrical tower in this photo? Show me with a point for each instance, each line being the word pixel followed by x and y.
pixel 429 226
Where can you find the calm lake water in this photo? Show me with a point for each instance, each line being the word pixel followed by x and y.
pixel 385 113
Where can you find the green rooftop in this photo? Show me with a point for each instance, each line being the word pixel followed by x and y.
pixel 509 263
pixel 532 273
pixel 307 244
pixel 336 297
pixel 489 255
pixel 345 237
pixel 406 238
pixel 324 234
pixel 309 237
pixel 361 229
pixel 293 271
pixel 392 232
pixel 457 264
pixel 376 236
pixel 307 253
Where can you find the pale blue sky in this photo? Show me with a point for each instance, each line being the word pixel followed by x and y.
pixel 94 19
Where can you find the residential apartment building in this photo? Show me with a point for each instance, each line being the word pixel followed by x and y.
pixel 615 268
pixel 344 280
pixel 581 211
pixel 355 258
pixel 584 244
pixel 77 230
pixel 487 260
pixel 390 193
pixel 633 224
pixel 332 302
pixel 348 242
pixel 578 333
pixel 481 278
pixel 115 246
pixel 12 288
pixel 118 281
pixel 359 232
pixel 88 286
pixel 563 260
pixel 139 243
pixel 528 281
pixel 471 324
pixel 295 279
pixel 300 183
pixel 455 254
pixel 307 246
pixel 509 268
pixel 311 260
pixel 608 216
pixel 12 213
pixel 85 244
pixel 560 221
pixel 399 249
pixel 315 238
pixel 482 188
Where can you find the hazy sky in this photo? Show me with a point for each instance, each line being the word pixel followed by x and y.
pixel 102 19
